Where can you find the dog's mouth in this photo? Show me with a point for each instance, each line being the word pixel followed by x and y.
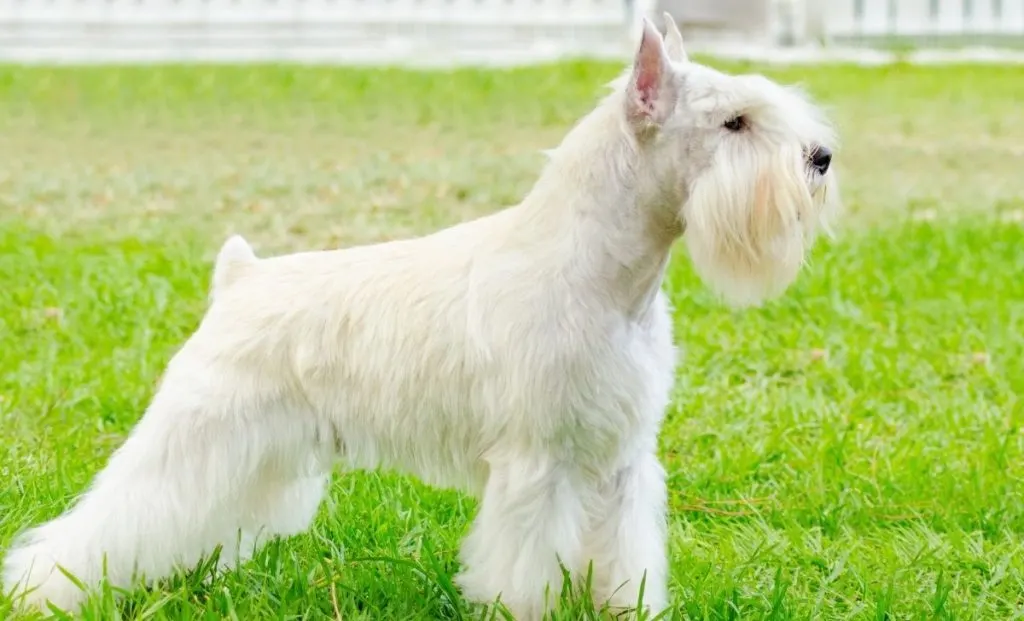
pixel 815 181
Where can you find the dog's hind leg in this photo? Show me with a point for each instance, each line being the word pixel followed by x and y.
pixel 285 498
pixel 274 504
pixel 167 497
pixel 626 543
pixel 529 525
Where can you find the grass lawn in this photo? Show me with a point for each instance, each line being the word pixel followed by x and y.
pixel 853 450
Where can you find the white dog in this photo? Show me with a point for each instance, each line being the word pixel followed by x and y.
pixel 525 357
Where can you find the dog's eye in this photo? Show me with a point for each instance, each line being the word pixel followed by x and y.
pixel 735 124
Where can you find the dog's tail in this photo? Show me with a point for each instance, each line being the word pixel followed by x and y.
pixel 234 259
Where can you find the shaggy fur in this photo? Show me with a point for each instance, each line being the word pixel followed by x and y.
pixel 525 357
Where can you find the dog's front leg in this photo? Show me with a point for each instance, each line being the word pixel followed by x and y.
pixel 530 523
pixel 627 539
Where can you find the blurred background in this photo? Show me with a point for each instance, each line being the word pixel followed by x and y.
pixel 440 31
pixel 326 85
pixel 853 450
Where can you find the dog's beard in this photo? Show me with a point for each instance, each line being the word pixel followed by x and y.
pixel 750 220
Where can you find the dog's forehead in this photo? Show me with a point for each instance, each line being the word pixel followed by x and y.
pixel 709 90
pixel 776 109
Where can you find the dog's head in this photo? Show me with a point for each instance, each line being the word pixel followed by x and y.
pixel 745 163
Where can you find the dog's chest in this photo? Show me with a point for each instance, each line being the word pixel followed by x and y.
pixel 628 375
pixel 594 386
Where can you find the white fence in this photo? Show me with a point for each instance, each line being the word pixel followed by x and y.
pixel 427 31
pixel 928 22
pixel 345 30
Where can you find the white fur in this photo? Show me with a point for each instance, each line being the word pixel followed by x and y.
pixel 525 357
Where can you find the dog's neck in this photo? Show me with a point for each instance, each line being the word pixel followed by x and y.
pixel 618 230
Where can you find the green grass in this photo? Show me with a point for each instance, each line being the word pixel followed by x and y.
pixel 852 450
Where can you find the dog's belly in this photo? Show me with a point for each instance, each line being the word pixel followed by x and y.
pixel 424 444
pixel 445 418
pixel 415 421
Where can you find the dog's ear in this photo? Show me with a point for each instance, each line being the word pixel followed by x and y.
pixel 650 96
pixel 674 40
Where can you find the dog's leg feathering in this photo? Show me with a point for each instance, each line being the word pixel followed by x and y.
pixel 284 500
pixel 166 498
pixel 529 521
pixel 627 541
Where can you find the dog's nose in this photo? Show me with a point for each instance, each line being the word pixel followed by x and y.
pixel 821 157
